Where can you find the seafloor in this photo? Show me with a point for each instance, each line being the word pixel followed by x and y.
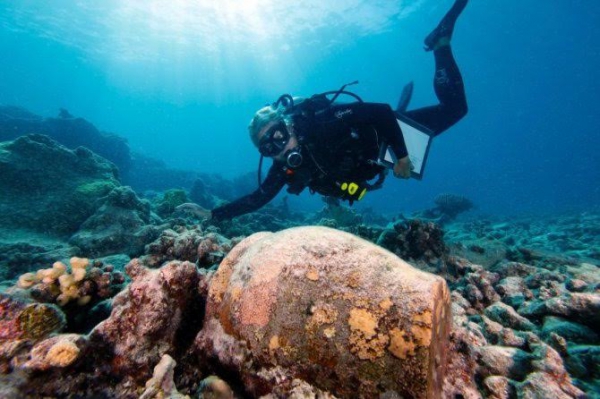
pixel 108 291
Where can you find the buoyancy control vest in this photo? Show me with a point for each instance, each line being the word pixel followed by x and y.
pixel 303 112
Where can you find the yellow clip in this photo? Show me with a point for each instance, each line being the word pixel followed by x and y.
pixel 352 188
pixel 364 191
pixel 344 186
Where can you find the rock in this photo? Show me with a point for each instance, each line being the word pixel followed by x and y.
pixel 188 244
pixel 509 362
pixel 48 188
pixel 479 289
pixel 170 200
pixel 68 131
pixel 161 385
pixel 460 379
pixel 508 317
pixel 60 351
pixel 547 359
pixel 499 388
pixel 543 385
pixel 588 272
pixel 457 266
pixel 571 331
pixel 449 206
pixel 486 253
pixel 201 195
pixel 513 291
pixel 21 253
pixel 581 307
pixel 213 387
pixel 496 334
pixel 120 225
pixel 145 318
pixel 558 343
pixel 414 240
pixel 342 313
pixel 534 309
pixel 542 277
pixel 584 361
pixel 513 269
pixel 21 318
pixel 576 285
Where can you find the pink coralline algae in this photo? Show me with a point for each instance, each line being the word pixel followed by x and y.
pixel 118 356
pixel 146 317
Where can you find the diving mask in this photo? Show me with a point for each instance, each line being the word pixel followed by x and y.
pixel 274 140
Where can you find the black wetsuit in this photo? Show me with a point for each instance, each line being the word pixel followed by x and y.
pixel 338 144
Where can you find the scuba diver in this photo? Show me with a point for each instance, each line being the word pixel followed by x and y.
pixel 330 148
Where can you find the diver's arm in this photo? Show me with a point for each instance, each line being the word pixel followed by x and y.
pixel 403 168
pixel 383 119
pixel 273 183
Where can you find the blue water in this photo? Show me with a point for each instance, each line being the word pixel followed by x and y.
pixel 181 80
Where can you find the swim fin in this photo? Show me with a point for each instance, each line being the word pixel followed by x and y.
pixel 442 34
pixel 405 98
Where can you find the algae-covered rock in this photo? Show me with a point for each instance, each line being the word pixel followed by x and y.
pixel 583 308
pixel 60 351
pixel 22 319
pixel 513 363
pixel 49 188
pixel 508 317
pixel 67 130
pixel 171 200
pixel 146 318
pixel 120 225
pixel 573 332
pixel 329 308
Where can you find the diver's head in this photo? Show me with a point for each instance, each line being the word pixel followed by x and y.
pixel 272 133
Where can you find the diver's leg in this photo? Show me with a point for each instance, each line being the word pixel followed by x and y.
pixel 449 88
pixel 442 34
pixel 447 82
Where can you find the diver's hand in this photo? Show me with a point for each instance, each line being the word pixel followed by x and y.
pixel 194 209
pixel 402 168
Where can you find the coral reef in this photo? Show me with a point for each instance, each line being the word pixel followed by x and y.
pixel 21 252
pixel 148 321
pixel 525 297
pixel 415 240
pixel 60 351
pixel 50 193
pixel 204 248
pixel 82 283
pixel 530 329
pixel 80 290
